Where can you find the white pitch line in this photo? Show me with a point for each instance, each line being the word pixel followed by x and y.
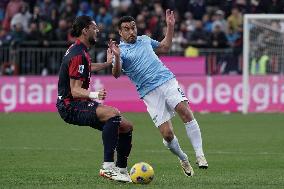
pixel 143 151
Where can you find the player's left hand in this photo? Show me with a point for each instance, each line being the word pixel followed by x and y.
pixel 114 48
pixel 170 18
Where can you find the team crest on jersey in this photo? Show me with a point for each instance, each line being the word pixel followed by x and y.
pixel 81 69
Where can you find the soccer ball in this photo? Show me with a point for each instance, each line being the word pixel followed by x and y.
pixel 142 173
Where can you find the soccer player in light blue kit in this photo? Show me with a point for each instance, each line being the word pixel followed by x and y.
pixel 157 86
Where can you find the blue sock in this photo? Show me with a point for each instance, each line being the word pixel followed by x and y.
pixel 123 149
pixel 110 137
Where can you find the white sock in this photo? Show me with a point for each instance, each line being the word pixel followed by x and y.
pixel 107 165
pixel 174 147
pixel 194 134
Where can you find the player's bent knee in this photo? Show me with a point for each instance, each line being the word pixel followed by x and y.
pixel 114 112
pixel 104 113
pixel 125 127
pixel 186 115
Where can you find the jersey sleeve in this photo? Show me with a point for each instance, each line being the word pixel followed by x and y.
pixel 78 68
pixel 155 44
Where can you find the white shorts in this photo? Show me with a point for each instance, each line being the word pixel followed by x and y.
pixel 161 102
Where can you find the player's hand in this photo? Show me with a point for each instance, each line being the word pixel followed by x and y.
pixel 170 18
pixel 109 56
pixel 114 48
pixel 102 94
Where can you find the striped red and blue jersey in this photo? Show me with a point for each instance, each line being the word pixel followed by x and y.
pixel 76 64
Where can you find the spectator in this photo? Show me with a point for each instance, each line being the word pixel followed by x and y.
pixel 68 11
pixel 199 37
pixel 189 23
pixel 48 10
pixel 17 35
pixel 207 23
pixel 146 14
pixel 235 19
pixel 197 8
pixel 141 25
pixel 13 7
pixel 243 5
pixel 23 17
pixel 178 43
pixel 33 34
pixel 64 4
pixel 155 23
pixel 3 4
pixel 85 10
pixel 9 68
pixel 182 6
pixel 45 29
pixel 97 4
pixel 259 63
pixel 220 20
pixel 36 16
pixel 61 33
pixel 231 37
pixel 270 6
pixel 135 8
pixel 218 38
pixel 4 38
pixel 104 17
pixel 121 7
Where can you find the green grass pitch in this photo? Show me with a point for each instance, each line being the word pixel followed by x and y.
pixel 39 150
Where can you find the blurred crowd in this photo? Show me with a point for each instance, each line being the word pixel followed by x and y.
pixel 200 23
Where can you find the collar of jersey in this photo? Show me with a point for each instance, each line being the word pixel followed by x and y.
pixel 78 42
pixel 124 43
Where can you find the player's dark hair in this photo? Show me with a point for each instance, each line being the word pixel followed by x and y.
pixel 125 19
pixel 79 24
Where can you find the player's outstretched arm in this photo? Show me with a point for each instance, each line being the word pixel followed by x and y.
pixel 116 69
pixel 166 43
pixel 100 66
pixel 78 92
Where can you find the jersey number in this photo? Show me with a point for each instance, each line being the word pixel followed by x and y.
pixel 181 92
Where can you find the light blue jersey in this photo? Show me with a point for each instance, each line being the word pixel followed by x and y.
pixel 142 65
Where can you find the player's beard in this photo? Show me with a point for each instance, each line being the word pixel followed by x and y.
pixel 92 41
pixel 132 39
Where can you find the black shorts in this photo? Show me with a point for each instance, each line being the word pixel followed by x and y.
pixel 81 113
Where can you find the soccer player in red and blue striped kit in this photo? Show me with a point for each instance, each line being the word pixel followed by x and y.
pixel 76 104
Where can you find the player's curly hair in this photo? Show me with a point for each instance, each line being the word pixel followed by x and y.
pixel 79 24
pixel 125 19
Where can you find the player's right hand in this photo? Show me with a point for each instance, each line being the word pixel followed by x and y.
pixel 170 18
pixel 109 56
pixel 102 94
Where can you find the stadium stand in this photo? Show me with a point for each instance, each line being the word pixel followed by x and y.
pixel 35 33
